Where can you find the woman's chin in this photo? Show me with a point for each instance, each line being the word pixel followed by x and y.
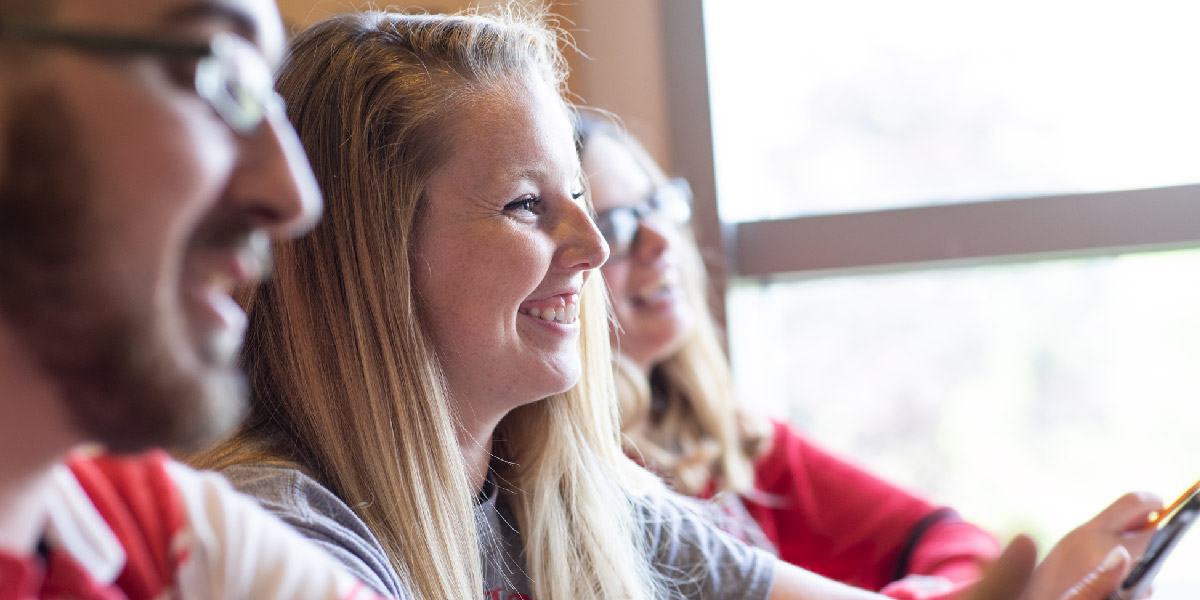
pixel 558 381
pixel 648 351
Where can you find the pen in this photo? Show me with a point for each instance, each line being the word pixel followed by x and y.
pixel 1157 517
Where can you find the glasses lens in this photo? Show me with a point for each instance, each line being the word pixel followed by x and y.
pixel 672 201
pixel 618 226
pixel 236 81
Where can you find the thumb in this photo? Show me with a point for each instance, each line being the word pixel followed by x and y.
pixel 1007 576
pixel 1101 582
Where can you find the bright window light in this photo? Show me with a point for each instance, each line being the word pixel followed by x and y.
pixel 855 105
pixel 1027 396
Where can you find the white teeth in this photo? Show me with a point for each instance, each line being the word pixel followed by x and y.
pixel 651 291
pixel 567 313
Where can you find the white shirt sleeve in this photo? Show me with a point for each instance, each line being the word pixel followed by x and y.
pixel 231 548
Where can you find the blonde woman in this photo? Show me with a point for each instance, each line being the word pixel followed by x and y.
pixel 770 485
pixel 430 368
pixel 415 360
pixel 777 489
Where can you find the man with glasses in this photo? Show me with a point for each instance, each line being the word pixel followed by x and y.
pixel 145 165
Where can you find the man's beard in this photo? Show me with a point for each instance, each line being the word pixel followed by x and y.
pixel 109 354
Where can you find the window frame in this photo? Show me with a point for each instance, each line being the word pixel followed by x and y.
pixel 970 233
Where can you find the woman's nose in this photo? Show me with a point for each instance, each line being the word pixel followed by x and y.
pixel 653 239
pixel 581 246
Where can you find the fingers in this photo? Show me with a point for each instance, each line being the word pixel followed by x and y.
pixel 1102 581
pixel 1128 518
pixel 1006 578
pixel 1130 512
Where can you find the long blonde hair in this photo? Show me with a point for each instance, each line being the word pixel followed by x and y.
pixel 683 420
pixel 345 379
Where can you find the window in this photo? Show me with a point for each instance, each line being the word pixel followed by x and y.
pixel 964 240
pixel 1026 395
pixel 867 104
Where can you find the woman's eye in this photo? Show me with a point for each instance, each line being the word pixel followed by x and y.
pixel 578 195
pixel 527 204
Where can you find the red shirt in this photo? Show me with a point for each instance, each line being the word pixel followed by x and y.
pixel 831 517
pixel 146 528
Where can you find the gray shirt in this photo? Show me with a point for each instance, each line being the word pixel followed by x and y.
pixel 702 562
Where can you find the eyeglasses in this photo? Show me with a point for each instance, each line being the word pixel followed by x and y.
pixel 230 74
pixel 669 203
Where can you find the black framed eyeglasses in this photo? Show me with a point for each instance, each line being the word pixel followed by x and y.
pixel 669 203
pixel 230 75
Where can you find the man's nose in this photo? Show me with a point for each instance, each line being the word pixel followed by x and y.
pixel 275 182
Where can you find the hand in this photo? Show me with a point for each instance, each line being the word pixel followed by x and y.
pixel 1008 576
pixel 1104 579
pixel 1076 556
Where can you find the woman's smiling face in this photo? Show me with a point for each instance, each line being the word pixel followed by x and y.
pixel 503 248
pixel 645 284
